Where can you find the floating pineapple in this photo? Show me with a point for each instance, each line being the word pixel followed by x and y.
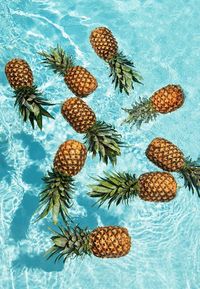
pixel 164 100
pixel 169 157
pixel 103 242
pixel 77 78
pixel 57 195
pixel 100 137
pixel 122 69
pixel 122 187
pixel 28 98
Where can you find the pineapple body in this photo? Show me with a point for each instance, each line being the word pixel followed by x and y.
pixel 70 158
pixel 110 242
pixel 80 81
pixel 157 187
pixel 168 98
pixel 104 43
pixel 19 73
pixel 78 114
pixel 165 155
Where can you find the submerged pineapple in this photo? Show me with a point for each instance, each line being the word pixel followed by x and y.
pixel 164 100
pixel 122 69
pixel 28 98
pixel 100 137
pixel 103 242
pixel 122 187
pixel 57 195
pixel 170 158
pixel 77 78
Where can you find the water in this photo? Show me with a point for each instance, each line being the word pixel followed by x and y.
pixel 163 39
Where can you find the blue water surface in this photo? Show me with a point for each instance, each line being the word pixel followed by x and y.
pixel 163 39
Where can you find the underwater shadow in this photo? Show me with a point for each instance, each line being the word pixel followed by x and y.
pixel 5 169
pixel 36 262
pixel 22 217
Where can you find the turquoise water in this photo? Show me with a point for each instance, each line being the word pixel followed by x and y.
pixel 163 38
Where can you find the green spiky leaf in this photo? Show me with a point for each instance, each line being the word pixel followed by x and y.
pixel 57 60
pixel 57 196
pixel 69 243
pixel 104 140
pixel 115 188
pixel 31 104
pixel 123 73
pixel 141 111
pixel 191 175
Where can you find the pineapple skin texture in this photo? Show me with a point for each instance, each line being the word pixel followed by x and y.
pixel 157 187
pixel 165 155
pixel 18 73
pixel 79 115
pixel 110 242
pixel 168 98
pixel 70 158
pixel 80 81
pixel 104 43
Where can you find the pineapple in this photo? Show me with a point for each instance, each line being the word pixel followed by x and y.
pixel 100 137
pixel 121 69
pixel 80 81
pixel 103 242
pixel 169 157
pixel 122 187
pixel 28 98
pixel 56 197
pixel 165 100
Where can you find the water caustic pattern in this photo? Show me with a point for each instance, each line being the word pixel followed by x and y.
pixel 163 39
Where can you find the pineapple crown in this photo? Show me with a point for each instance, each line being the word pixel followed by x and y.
pixel 115 188
pixel 191 175
pixel 104 140
pixel 57 196
pixel 30 104
pixel 69 243
pixel 123 73
pixel 57 60
pixel 141 111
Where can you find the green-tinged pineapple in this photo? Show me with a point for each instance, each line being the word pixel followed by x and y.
pixel 165 100
pixel 103 242
pixel 100 137
pixel 57 195
pixel 27 96
pixel 169 157
pixel 78 79
pixel 122 70
pixel 122 187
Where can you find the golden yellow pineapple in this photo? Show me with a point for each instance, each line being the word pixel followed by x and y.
pixel 122 69
pixel 165 100
pixel 78 114
pixel 78 79
pixel 28 98
pixel 19 73
pixel 103 242
pixel 169 157
pixel 56 197
pixel 100 137
pixel 122 187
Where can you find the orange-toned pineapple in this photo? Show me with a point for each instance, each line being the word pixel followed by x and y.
pixel 122 187
pixel 28 98
pixel 100 137
pixel 122 70
pixel 78 79
pixel 103 242
pixel 169 157
pixel 165 100
pixel 68 162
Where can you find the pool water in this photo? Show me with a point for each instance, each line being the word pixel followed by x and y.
pixel 163 39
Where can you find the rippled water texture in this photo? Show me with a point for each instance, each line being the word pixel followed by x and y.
pixel 162 36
